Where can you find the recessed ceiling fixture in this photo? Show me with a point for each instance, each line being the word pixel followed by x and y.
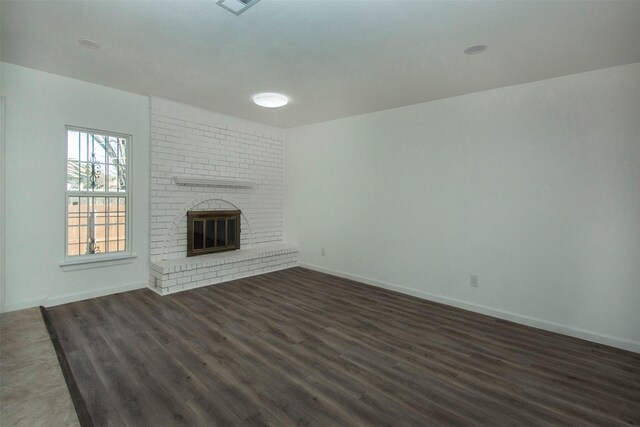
pixel 475 49
pixel 89 44
pixel 270 100
pixel 237 6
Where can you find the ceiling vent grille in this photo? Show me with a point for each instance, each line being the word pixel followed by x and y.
pixel 237 6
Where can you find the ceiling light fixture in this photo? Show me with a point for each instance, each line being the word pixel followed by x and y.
pixel 475 49
pixel 270 100
pixel 89 44
pixel 236 6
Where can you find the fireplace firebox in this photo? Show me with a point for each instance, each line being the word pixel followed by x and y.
pixel 212 231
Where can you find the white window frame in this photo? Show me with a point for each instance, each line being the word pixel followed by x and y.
pixel 85 261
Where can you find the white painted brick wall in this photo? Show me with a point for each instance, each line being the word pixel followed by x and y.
pixel 191 142
pixel 186 141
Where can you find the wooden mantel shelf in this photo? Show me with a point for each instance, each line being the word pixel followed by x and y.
pixel 212 182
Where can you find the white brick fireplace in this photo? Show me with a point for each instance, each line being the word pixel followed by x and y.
pixel 203 161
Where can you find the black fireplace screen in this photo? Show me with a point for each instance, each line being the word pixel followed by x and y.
pixel 212 231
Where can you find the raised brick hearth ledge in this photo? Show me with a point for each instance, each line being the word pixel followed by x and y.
pixel 187 273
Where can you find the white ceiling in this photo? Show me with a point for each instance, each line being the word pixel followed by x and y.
pixel 334 58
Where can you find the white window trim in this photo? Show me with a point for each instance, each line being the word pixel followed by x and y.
pixel 99 260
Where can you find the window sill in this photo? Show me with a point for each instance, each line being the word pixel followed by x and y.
pixel 106 261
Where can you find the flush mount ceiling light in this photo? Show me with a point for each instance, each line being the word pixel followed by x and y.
pixel 89 44
pixel 270 100
pixel 237 6
pixel 475 49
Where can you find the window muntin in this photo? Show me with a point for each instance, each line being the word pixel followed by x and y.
pixel 97 195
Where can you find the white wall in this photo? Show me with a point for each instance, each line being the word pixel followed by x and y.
pixel 38 106
pixel 535 188
pixel 2 199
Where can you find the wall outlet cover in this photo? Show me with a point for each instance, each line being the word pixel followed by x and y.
pixel 474 281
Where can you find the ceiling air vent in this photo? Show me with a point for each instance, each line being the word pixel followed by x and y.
pixel 237 6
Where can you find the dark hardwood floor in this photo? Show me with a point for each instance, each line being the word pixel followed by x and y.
pixel 300 347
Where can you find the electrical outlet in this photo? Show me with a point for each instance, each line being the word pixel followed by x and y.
pixel 323 252
pixel 474 281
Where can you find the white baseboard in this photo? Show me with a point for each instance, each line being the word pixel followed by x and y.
pixel 79 296
pixel 609 340
pixel 73 297
pixel 23 304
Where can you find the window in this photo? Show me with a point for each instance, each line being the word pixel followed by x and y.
pixel 98 194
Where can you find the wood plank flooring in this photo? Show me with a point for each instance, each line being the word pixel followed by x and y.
pixel 297 347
